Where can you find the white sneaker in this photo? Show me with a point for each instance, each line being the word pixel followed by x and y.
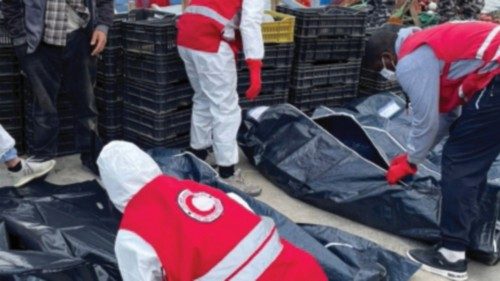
pixel 31 170
pixel 238 182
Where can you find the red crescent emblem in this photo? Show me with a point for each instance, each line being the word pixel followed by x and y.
pixel 200 206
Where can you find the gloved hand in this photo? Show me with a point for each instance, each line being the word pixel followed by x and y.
pixel 399 169
pixel 254 67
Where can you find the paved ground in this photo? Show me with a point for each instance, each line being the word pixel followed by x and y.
pixel 68 170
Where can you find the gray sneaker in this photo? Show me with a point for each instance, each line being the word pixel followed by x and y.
pixel 31 170
pixel 238 181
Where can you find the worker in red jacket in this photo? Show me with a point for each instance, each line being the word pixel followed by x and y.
pixel 180 230
pixel 210 32
pixel 450 74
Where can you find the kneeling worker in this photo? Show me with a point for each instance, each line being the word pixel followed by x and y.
pixel 184 231
pixel 451 76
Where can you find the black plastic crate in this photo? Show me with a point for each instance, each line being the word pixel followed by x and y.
pixel 110 113
pixel 4 36
pixel 115 31
pixel 9 65
pixel 146 142
pixel 373 80
pixel 331 21
pixel 335 50
pixel 317 75
pixel 335 92
pixel 110 63
pixel 272 80
pixel 109 89
pixel 157 126
pixel 276 56
pixel 265 99
pixel 149 32
pixel 158 99
pixel 10 87
pixel 10 107
pixel 109 133
pixel 157 70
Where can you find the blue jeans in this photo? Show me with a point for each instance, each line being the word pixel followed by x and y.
pixel 473 146
pixel 50 69
pixel 11 154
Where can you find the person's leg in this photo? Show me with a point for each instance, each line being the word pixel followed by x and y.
pixel 79 75
pixel 11 160
pixel 8 154
pixel 217 78
pixel 473 146
pixel 471 149
pixel 201 119
pixel 43 71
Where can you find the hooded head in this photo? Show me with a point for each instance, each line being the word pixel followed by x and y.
pixel 125 169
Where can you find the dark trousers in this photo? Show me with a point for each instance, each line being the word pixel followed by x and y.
pixel 473 146
pixel 51 69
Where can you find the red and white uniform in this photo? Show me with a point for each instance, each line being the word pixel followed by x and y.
pixel 440 68
pixel 207 37
pixel 453 42
pixel 182 230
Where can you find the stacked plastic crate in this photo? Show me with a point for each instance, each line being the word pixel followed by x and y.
pixel 372 82
pixel 109 85
pixel 157 97
pixel 277 63
pixel 329 45
pixel 11 117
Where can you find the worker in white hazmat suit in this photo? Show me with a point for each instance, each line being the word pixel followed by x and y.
pixel 22 171
pixel 210 33
pixel 182 230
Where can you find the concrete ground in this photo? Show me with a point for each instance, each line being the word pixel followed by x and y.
pixel 69 170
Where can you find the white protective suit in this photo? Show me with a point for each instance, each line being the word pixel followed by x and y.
pixel 213 76
pixel 125 169
pixel 6 141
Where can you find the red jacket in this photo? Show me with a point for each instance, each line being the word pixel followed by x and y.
pixel 199 233
pixel 203 32
pixel 453 42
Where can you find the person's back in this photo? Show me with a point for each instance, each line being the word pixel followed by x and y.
pixel 188 231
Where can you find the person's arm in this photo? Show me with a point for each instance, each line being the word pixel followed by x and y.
pixel 418 74
pixel 104 15
pixel 251 30
pixel 104 20
pixel 137 260
pixel 445 121
pixel 13 12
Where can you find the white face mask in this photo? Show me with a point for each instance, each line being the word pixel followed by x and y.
pixel 388 74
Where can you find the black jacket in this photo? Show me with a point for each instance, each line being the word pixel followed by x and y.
pixel 25 19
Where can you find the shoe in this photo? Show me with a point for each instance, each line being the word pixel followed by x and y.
pixel 32 169
pixel 434 262
pixel 238 182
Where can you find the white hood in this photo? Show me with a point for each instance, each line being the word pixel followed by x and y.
pixel 125 169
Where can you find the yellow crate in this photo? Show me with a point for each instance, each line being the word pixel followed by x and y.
pixel 280 31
